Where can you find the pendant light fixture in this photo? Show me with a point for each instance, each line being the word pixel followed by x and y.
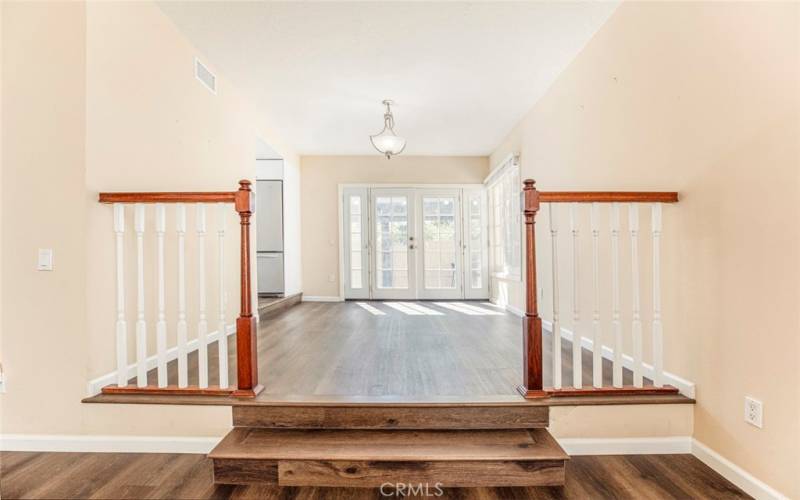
pixel 387 142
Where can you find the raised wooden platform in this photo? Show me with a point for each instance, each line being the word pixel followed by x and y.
pixel 456 444
pixel 370 458
pixel 393 416
pixel 272 306
pixel 393 401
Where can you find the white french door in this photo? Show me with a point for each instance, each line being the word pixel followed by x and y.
pixel 394 249
pixel 440 272
pixel 414 243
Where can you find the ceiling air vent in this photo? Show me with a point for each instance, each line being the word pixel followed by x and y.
pixel 205 76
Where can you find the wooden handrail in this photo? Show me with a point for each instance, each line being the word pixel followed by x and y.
pixel 169 197
pixel 532 372
pixel 608 196
pixel 247 352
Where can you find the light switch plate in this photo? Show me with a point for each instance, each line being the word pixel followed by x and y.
pixel 45 262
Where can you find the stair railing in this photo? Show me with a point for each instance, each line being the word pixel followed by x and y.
pixel 533 361
pixel 246 384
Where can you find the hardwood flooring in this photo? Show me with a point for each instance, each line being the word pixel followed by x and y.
pixel 342 349
pixel 173 476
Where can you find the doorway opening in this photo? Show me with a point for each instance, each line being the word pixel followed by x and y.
pixel 414 242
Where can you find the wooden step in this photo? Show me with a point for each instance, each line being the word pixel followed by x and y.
pixel 370 458
pixel 393 416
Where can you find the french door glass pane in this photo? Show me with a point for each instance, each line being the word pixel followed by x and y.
pixel 391 234
pixel 439 242
pixel 356 272
pixel 475 260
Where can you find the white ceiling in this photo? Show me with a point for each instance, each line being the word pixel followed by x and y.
pixel 462 74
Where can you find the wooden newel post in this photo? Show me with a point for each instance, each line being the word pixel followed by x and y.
pixel 532 386
pixel 246 348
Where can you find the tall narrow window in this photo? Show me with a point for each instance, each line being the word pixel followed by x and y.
pixel 504 189
pixel 355 242
pixel 475 247
pixel 356 271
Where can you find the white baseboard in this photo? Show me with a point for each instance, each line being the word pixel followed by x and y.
pixel 95 385
pixel 626 446
pixel 106 444
pixel 684 386
pixel 735 474
pixel 508 307
pixel 513 310
pixel 321 298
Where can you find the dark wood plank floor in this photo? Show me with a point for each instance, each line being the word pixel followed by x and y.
pixel 171 476
pixel 341 349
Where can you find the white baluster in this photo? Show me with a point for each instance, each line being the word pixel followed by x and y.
pixel 183 367
pixel 121 325
pixel 615 321
pixel 202 324
pixel 597 337
pixel 141 326
pixel 577 375
pixel 658 336
pixel 636 326
pixel 161 325
pixel 556 322
pixel 222 342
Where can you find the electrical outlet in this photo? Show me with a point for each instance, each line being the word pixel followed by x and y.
pixel 753 412
pixel 332 278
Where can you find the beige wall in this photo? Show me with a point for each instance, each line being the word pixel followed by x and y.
pixel 702 98
pixel 43 206
pixel 103 99
pixel 174 135
pixel 320 178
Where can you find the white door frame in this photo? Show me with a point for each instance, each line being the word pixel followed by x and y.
pixel 370 186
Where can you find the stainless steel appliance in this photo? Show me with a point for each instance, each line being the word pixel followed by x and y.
pixel 269 237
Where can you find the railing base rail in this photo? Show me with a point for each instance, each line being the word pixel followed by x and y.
pixel 170 390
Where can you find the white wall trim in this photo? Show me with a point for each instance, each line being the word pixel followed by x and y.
pixel 626 446
pixel 509 159
pixel 673 445
pixel 95 385
pixel 685 387
pixel 735 474
pixel 106 444
pixel 515 311
pixel 340 237
pixel 322 298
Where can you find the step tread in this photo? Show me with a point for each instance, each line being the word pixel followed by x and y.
pixel 376 417
pixel 388 445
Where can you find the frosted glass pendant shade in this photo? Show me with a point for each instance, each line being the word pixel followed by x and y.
pixel 387 142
